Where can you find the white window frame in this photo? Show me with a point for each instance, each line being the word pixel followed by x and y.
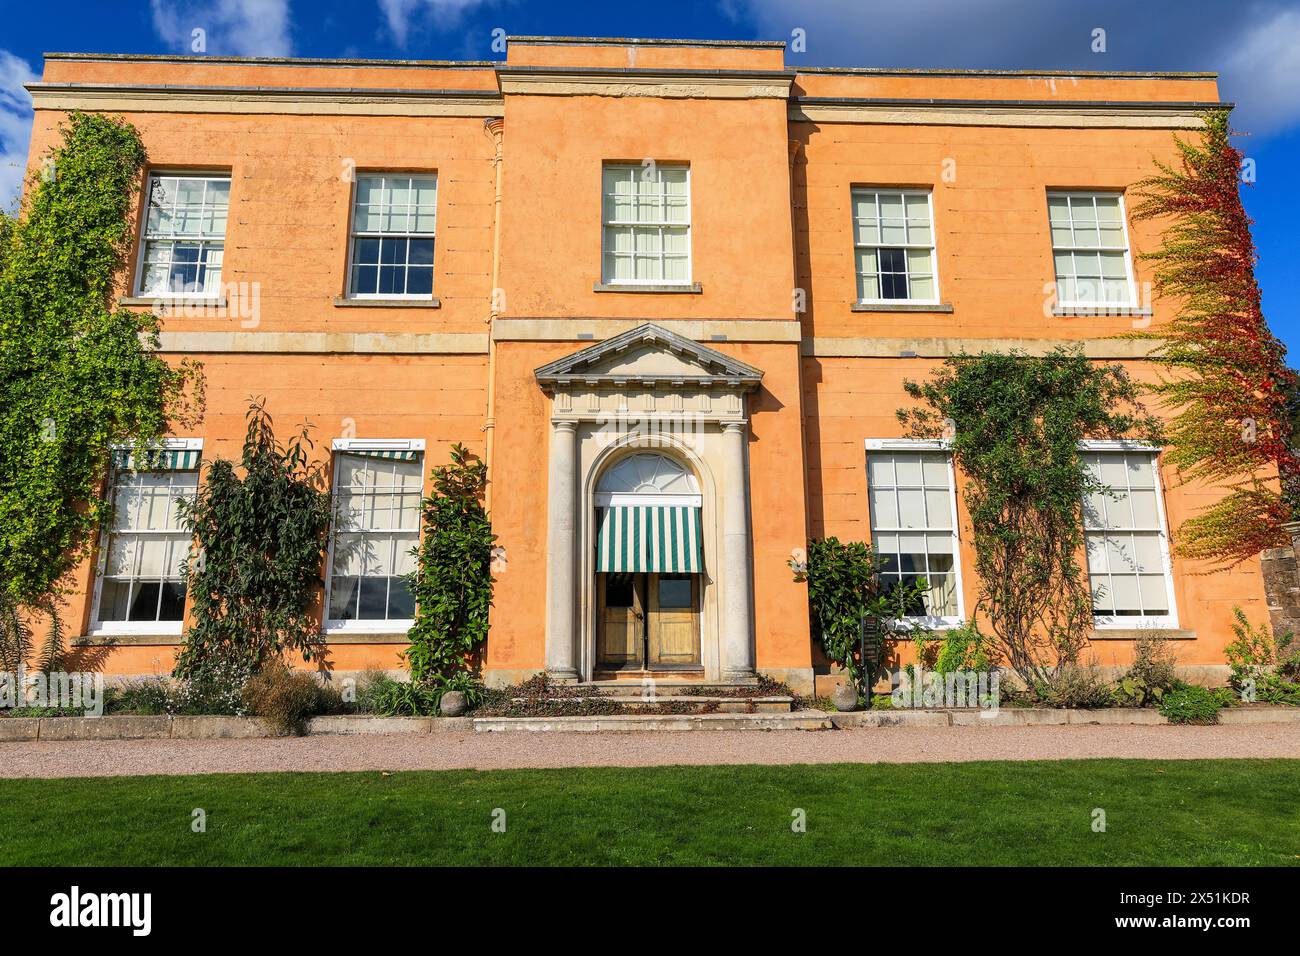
pixel 928 621
pixel 933 245
pixel 686 283
pixel 1104 622
pixel 169 296
pixel 353 235
pixel 141 628
pixel 345 445
pixel 1131 301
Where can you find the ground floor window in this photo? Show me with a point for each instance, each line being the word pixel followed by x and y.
pixel 139 585
pixel 914 523
pixel 1128 548
pixel 377 493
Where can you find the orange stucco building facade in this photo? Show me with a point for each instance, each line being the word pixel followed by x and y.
pixel 670 291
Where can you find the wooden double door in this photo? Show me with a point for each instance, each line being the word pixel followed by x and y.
pixel 648 621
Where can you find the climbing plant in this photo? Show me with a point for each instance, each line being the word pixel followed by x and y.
pixel 452 582
pixel 254 573
pixel 1225 377
pixel 77 374
pixel 1015 423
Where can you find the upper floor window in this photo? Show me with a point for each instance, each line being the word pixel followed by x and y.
pixel 184 235
pixel 377 493
pixel 393 219
pixel 914 524
pixel 893 240
pixel 1128 551
pixel 647 224
pixel 138 588
pixel 1090 249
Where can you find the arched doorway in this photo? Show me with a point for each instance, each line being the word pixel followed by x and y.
pixel 648 566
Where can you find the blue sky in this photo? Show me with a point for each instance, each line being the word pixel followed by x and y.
pixel 1254 44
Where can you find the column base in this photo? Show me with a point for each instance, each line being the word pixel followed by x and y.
pixel 563 675
pixel 741 676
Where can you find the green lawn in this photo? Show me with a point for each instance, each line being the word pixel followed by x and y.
pixel 1208 812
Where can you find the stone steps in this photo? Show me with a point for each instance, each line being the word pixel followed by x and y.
pixel 694 704
pixel 615 723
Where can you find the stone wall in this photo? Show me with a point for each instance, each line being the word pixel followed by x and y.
pixel 1282 583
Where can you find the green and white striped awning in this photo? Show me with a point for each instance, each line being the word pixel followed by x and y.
pixel 156 459
pixel 386 454
pixel 657 538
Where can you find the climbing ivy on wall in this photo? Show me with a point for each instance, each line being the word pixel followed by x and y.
pixel 1226 380
pixel 1015 422
pixel 77 375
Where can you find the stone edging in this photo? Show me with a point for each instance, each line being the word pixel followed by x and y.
pixel 127 727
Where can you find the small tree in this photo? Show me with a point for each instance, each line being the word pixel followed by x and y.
pixel 1227 385
pixel 1015 423
pixel 77 375
pixel 452 582
pixel 254 573
pixel 851 611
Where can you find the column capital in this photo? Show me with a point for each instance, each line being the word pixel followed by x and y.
pixel 735 426
pixel 564 425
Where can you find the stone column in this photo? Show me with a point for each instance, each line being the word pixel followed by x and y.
pixel 561 553
pixel 737 601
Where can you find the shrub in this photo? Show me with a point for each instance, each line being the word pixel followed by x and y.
pixel 452 582
pixel 1190 704
pixel 851 611
pixel 254 573
pixel 282 697
pixel 1075 686
pixel 964 648
pixel 150 695
pixel 1150 676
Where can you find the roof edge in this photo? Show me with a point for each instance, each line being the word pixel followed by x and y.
pixel 642 41
pixel 273 60
pixel 1026 74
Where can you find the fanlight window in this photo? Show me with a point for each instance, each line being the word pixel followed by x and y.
pixel 648 475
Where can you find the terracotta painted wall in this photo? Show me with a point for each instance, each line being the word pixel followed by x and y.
pixel 759 229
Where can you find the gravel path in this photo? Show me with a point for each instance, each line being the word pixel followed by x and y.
pixel 447 751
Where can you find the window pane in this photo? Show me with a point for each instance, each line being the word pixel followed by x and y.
pixel 911 508
pixel 343 598
pixel 884 508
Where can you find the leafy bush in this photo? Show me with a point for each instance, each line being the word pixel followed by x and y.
pixel 381 695
pixel 845 596
pixel 1190 704
pixel 1264 667
pixel 452 582
pixel 1073 687
pixel 151 695
pixel 963 648
pixel 254 575
pixel 1150 676
pixel 282 697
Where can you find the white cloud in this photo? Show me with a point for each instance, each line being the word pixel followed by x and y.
pixel 401 14
pixel 1255 48
pixel 15 125
pixel 1261 72
pixel 230 27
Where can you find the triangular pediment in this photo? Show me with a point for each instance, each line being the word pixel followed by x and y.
pixel 649 355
